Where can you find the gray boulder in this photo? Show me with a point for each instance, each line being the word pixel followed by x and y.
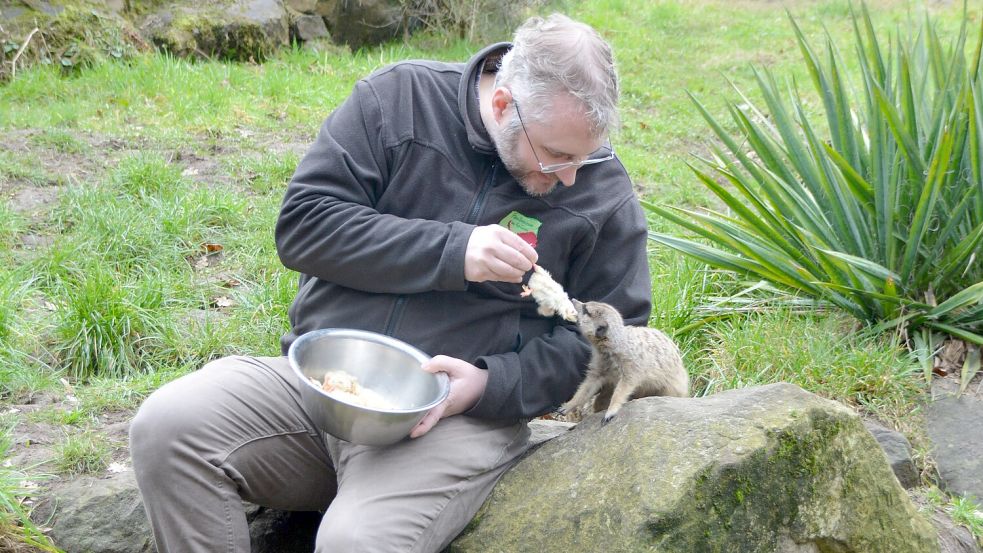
pixel 365 22
pixel 245 30
pixel 678 474
pixel 97 514
pixel 105 514
pixel 310 27
pixel 953 424
pixel 898 452
pixel 767 469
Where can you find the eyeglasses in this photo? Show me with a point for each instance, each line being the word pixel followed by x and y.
pixel 604 153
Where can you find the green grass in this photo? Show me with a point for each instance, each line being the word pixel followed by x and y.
pixel 964 510
pixel 60 140
pixel 819 352
pixel 20 167
pixel 109 324
pixel 84 453
pixel 16 527
pixel 12 224
pixel 268 173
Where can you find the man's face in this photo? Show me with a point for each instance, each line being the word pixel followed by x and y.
pixel 563 137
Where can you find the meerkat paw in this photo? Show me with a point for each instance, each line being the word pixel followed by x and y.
pixel 566 408
pixel 526 291
pixel 608 415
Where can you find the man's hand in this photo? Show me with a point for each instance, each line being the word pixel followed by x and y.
pixel 496 253
pixel 467 383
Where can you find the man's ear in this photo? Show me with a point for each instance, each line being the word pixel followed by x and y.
pixel 501 99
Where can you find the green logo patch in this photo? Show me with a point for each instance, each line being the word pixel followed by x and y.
pixel 526 227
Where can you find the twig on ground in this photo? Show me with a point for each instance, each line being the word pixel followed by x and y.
pixel 13 63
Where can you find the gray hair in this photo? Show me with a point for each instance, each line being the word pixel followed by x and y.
pixel 558 54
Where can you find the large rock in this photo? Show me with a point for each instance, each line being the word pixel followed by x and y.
pixel 767 469
pixel 957 452
pixel 245 30
pixel 310 27
pixel 97 514
pixel 105 514
pixel 365 23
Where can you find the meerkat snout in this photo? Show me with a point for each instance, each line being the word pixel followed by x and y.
pixel 627 362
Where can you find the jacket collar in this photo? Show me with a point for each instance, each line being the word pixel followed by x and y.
pixel 486 60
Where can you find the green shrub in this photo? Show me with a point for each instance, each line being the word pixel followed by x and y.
pixel 879 208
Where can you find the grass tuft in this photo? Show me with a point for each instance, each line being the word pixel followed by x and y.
pixel 109 325
pixel 84 453
pixel 147 174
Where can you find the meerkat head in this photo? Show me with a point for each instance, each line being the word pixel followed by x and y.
pixel 597 320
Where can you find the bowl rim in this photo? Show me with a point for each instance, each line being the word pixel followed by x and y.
pixel 443 382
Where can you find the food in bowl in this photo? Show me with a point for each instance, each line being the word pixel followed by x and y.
pixel 345 387
pixel 383 364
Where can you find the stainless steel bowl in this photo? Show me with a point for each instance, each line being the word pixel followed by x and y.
pixel 388 366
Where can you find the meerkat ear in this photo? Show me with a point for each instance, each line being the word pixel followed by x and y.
pixel 601 331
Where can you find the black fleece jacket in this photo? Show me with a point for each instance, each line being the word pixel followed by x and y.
pixel 378 215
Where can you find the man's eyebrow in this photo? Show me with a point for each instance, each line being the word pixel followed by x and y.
pixel 557 153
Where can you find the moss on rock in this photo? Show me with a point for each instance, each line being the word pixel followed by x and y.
pixel 71 35
pixel 760 470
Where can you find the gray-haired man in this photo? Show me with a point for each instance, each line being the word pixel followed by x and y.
pixel 427 196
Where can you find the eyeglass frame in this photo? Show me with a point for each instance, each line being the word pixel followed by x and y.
pixel 555 167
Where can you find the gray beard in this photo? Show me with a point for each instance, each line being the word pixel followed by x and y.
pixel 506 141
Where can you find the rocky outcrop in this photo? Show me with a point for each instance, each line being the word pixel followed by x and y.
pixel 97 514
pixel 767 469
pixel 366 23
pixel 245 30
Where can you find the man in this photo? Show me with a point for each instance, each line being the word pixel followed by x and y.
pixel 427 197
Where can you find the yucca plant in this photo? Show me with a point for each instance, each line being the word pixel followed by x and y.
pixel 878 209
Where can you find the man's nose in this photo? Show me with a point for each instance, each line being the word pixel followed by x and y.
pixel 567 176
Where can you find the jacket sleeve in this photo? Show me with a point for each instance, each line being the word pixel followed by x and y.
pixel 329 228
pixel 546 371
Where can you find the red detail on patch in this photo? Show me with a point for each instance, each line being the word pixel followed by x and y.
pixel 529 237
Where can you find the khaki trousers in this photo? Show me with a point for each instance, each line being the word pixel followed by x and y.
pixel 235 430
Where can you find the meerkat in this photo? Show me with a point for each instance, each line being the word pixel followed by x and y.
pixel 627 362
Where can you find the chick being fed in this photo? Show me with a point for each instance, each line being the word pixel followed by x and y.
pixel 549 295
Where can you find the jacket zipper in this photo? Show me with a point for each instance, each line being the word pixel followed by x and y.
pixel 480 200
pixel 400 305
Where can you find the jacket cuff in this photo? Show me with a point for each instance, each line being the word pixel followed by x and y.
pixel 450 271
pixel 500 387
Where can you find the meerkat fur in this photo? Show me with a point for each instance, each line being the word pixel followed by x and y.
pixel 627 362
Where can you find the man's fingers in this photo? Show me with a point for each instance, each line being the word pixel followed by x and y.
pixel 428 421
pixel 505 272
pixel 526 252
pixel 498 254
